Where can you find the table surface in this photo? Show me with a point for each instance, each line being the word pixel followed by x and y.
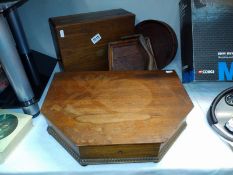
pixel 197 150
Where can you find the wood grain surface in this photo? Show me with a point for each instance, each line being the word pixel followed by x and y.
pixel 76 50
pixel 115 108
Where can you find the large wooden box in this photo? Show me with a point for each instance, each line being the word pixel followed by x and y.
pixel 115 117
pixel 72 37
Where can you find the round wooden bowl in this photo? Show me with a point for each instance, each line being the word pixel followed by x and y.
pixel 163 40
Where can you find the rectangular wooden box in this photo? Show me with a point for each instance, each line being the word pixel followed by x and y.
pixel 116 117
pixel 72 37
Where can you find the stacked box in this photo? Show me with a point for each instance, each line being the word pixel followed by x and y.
pixel 206 40
pixel 81 40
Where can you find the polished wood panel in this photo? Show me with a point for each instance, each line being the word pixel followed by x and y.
pixel 76 50
pixel 109 110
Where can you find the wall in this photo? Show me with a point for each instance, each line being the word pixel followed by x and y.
pixel 35 13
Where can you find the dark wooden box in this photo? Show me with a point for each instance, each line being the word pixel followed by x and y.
pixel 116 117
pixel 72 37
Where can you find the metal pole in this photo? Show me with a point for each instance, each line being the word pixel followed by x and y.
pixel 22 45
pixel 14 70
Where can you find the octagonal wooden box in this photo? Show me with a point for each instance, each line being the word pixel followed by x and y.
pixel 116 117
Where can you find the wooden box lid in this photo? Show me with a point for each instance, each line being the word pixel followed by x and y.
pixel 94 109
pixel 61 21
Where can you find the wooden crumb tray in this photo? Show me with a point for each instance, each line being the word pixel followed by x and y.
pixel 127 55
pixel 116 117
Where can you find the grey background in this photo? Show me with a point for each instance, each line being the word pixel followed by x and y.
pixel 34 15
